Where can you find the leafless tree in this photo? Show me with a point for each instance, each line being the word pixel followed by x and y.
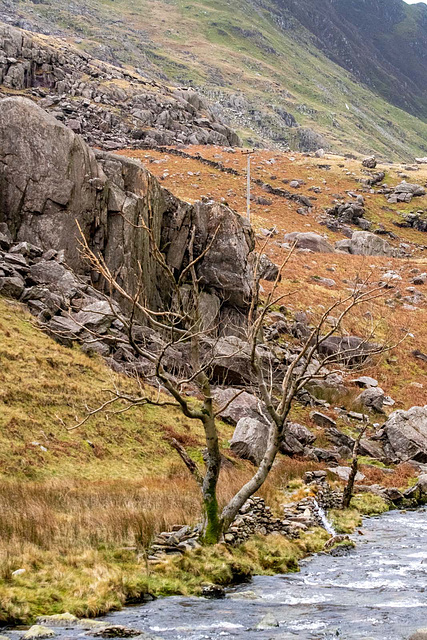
pixel 182 326
pixel 349 488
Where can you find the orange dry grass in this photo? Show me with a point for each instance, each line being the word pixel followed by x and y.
pixel 65 515
pixel 400 374
pixel 399 478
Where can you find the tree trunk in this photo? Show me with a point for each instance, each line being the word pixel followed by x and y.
pixel 251 487
pixel 212 525
pixel 348 491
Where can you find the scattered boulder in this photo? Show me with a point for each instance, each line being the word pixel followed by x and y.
pixel 309 240
pixel 364 243
pixel 372 398
pixel 339 438
pixel 97 316
pixel 343 473
pixel 365 382
pixel 349 349
pixel 231 364
pixel 404 435
pixel 245 405
pixel 322 420
pixel 250 439
pixel 325 455
pixel 370 162
pixel 297 438
pixel 404 192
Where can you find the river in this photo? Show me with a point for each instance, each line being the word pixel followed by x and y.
pixel 378 591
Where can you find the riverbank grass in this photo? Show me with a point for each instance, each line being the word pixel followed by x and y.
pixel 363 504
pixel 90 583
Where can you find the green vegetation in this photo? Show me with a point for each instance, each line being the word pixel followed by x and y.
pixel 228 49
pixel 89 583
pixel 363 504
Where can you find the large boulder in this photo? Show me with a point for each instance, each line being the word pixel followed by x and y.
pixel 236 404
pixel 349 349
pixel 309 240
pixel 250 439
pixel 297 438
pixel 364 243
pixel 404 435
pixel 231 362
pixel 372 398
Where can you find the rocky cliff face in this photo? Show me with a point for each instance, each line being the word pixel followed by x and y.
pixel 110 107
pixel 50 180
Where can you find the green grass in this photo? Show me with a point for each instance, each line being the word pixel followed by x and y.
pixel 363 504
pixel 47 388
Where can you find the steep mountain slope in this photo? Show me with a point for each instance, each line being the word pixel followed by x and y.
pixel 382 42
pixel 262 63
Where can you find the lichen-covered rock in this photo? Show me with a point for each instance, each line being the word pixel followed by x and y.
pixel 38 632
pixel 250 439
pixel 404 435
pixel 236 404
pixel 309 240
pixel 364 243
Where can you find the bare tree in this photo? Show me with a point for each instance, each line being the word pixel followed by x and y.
pixel 182 326
pixel 348 491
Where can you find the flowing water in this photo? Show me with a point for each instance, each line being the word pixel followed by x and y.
pixel 378 591
pixel 324 519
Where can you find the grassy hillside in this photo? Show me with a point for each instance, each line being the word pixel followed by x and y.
pixel 256 69
pixel 80 508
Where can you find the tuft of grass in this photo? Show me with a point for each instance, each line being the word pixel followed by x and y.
pixel 346 520
pixel 368 504
pixel 362 504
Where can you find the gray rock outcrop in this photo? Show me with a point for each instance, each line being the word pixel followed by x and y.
pixel 364 243
pixel 309 240
pixel 250 439
pixel 50 179
pixel 405 191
